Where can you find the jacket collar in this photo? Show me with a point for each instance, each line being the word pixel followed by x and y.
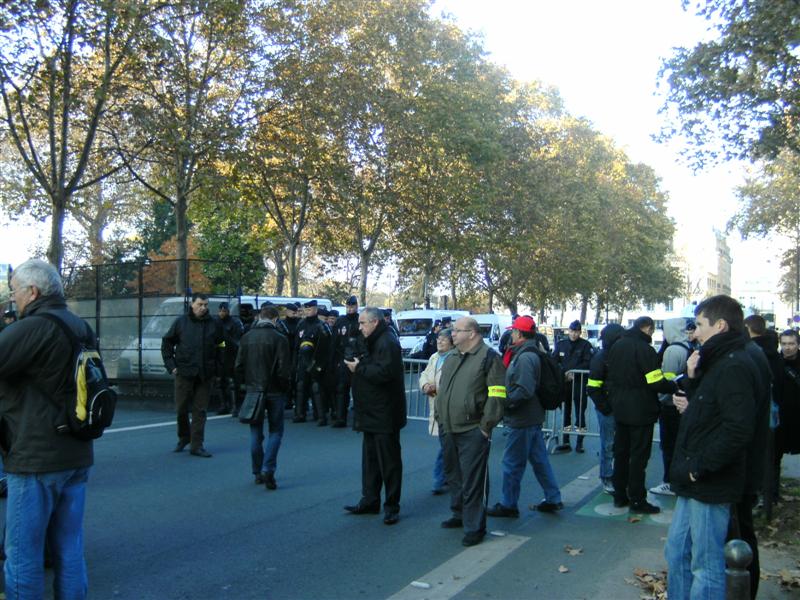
pixel 44 303
pixel 718 345
pixel 380 329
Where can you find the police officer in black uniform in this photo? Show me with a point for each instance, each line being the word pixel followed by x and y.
pixel 346 344
pixel 233 330
pixel 290 321
pixel 313 337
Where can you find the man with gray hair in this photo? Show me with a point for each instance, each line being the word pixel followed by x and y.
pixel 47 470
pixel 379 409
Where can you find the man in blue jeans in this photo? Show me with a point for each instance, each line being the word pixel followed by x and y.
pixel 707 472
pixel 523 417
pixel 264 364
pixel 46 471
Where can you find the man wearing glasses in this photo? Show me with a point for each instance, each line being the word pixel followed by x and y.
pixel 47 471
pixel 468 406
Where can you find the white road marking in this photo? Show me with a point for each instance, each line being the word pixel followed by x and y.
pixel 577 489
pixel 154 425
pixel 456 574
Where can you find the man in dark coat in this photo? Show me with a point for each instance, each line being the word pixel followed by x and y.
pixel 47 471
pixel 708 472
pixel 598 392
pixel 263 364
pixel 634 382
pixel 379 403
pixel 312 342
pixel 192 351
pixel 573 353
pixel 787 435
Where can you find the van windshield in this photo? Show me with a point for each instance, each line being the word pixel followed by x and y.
pixel 486 330
pixel 414 327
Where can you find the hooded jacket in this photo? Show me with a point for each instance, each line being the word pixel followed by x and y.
pixel 673 363
pixel 718 423
pixel 379 397
pixel 36 358
pixel 598 368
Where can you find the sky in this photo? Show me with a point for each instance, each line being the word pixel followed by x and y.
pixel 604 58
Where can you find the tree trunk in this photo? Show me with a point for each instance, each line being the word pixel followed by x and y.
pixel 426 299
pixel 598 313
pixel 512 306
pixel 280 272
pixel 362 284
pixel 491 302
pixel 293 270
pixel 181 245
pixel 55 251
pixel 584 308
pixel 453 294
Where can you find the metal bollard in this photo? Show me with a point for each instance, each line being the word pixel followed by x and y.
pixel 738 556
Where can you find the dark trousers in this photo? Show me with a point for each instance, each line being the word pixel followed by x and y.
pixel 191 394
pixel 573 394
pixel 307 388
pixel 668 423
pixel 343 380
pixel 465 466
pixel 631 452
pixel 741 527
pixel 381 466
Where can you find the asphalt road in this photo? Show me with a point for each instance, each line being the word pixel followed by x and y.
pixel 163 525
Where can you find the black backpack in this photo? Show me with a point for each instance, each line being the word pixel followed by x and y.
pixel 548 389
pixel 89 400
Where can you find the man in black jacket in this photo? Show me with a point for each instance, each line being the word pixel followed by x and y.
pixel 233 330
pixel 263 364
pixel 379 403
pixel 634 382
pixel 573 353
pixel 47 471
pixel 598 392
pixel 312 343
pixel 192 351
pixel 346 336
pixel 707 472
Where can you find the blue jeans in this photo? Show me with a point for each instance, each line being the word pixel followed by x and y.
pixel 439 479
pixel 266 460
pixel 523 445
pixel 694 550
pixel 45 505
pixel 607 425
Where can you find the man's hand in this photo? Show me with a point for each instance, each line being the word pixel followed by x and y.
pixel 352 364
pixel 681 402
pixel 429 389
pixel 691 364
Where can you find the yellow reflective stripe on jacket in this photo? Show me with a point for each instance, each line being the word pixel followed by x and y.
pixel 670 376
pixel 497 391
pixel 306 343
pixel 654 376
pixel 221 344
pixel 594 383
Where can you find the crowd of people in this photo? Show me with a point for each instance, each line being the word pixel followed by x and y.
pixel 724 390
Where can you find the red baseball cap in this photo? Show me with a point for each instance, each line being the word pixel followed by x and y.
pixel 525 323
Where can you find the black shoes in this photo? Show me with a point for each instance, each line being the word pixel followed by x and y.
pixel 498 510
pixel 269 481
pixel 390 518
pixel 259 479
pixel 322 423
pixel 201 452
pixel 180 446
pixel 363 509
pixel 549 507
pixel 621 502
pixel 562 449
pixel 473 539
pixel 579 449
pixel 644 507
pixel 452 523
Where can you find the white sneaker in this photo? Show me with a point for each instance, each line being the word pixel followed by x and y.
pixel 608 487
pixel 662 489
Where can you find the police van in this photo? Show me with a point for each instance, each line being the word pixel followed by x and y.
pixel 492 327
pixel 414 325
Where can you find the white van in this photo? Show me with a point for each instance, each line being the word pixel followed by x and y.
pixel 414 325
pixel 492 327
pixel 152 365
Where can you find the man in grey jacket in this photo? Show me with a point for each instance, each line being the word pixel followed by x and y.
pixel 673 365
pixel 468 406
pixel 523 417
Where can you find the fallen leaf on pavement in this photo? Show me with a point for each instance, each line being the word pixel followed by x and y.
pixel 634 519
pixel 563 569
